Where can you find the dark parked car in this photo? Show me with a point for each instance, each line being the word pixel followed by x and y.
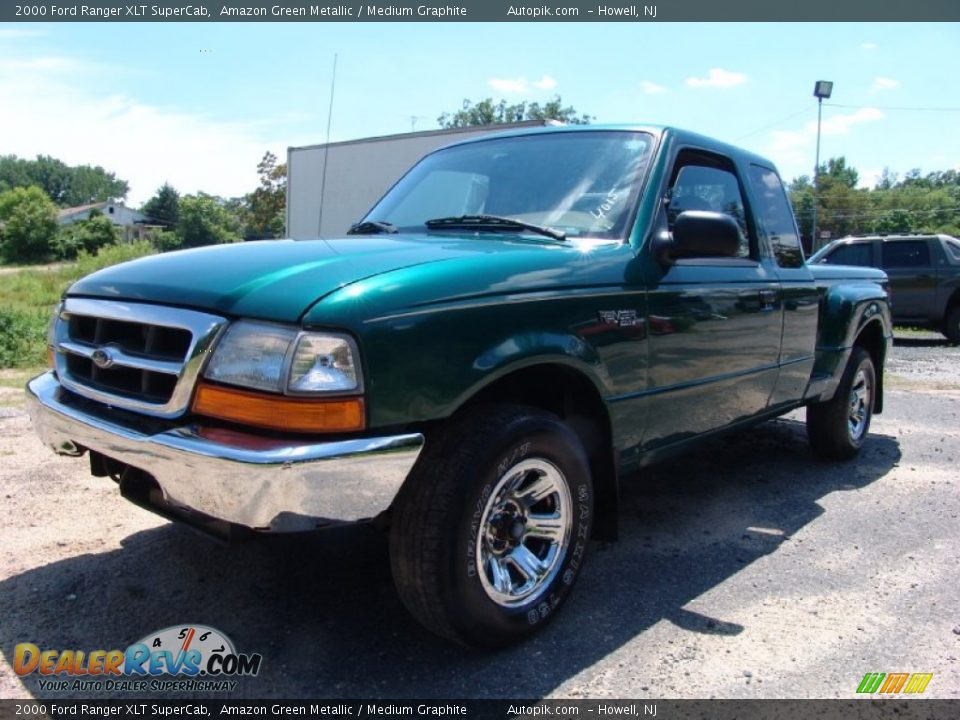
pixel 924 272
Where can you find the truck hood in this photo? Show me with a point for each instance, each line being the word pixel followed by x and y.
pixel 280 280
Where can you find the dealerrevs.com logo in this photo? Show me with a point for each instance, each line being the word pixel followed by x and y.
pixel 894 683
pixel 177 658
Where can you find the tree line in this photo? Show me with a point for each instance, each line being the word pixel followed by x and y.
pixel 914 203
pixel 33 192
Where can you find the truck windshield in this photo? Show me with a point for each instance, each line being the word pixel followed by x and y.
pixel 582 184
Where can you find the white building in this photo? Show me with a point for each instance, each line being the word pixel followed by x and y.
pixel 330 187
pixel 132 224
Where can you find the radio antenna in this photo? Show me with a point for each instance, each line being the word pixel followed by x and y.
pixel 326 146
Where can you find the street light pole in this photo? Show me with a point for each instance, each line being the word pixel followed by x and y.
pixel 821 90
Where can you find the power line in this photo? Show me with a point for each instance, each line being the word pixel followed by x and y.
pixel 840 215
pixel 894 107
pixel 774 123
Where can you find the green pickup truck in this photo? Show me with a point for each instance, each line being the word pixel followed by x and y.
pixel 518 322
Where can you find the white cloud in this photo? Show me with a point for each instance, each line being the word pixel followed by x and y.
pixel 842 124
pixel 869 178
pixel 504 85
pixel 57 106
pixel 868 46
pixel 834 125
pixel 885 83
pixel 16 33
pixel 718 78
pixel 545 83
pixel 521 84
pixel 651 88
pixel 793 150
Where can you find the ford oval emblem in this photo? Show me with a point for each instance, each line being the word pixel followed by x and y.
pixel 102 358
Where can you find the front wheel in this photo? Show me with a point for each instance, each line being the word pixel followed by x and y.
pixel 838 427
pixel 491 529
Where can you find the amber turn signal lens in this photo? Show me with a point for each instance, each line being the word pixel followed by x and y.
pixel 276 412
pixel 51 358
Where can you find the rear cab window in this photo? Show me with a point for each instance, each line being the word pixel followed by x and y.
pixel 775 218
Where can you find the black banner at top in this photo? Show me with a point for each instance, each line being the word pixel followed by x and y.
pixel 479 11
pixel 143 708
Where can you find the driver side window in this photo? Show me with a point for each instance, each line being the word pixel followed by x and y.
pixel 704 187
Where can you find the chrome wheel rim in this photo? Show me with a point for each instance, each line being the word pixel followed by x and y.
pixel 858 414
pixel 524 532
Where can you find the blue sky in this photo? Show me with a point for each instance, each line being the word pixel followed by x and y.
pixel 198 104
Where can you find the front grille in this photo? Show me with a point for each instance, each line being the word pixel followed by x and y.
pixel 133 355
pixel 153 387
pixel 164 343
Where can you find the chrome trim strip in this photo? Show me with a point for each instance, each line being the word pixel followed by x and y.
pixel 204 329
pixel 119 357
pixel 278 485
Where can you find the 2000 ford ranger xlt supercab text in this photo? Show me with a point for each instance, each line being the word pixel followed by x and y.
pixel 519 320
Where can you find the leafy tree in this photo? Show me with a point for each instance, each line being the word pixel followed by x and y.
pixel 28 224
pixel 836 172
pixel 914 203
pixel 67 186
pixel 87 236
pixel 265 206
pixel 205 221
pixel 14 173
pixel 893 221
pixel 165 240
pixel 801 196
pixel 887 179
pixel 164 207
pixel 486 112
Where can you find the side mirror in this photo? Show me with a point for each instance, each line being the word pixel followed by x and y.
pixel 698 233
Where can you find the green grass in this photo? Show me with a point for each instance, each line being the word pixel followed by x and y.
pixel 28 297
pixel 11 385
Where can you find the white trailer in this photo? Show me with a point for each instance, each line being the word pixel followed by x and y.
pixel 358 173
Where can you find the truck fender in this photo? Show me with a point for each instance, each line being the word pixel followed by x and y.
pixel 850 314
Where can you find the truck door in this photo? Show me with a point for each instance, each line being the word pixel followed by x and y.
pixel 714 323
pixel 913 278
pixel 778 232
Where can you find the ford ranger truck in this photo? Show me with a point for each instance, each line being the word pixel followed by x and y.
pixel 518 323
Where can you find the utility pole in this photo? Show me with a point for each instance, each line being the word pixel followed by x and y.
pixel 823 89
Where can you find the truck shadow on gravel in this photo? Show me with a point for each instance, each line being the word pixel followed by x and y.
pixel 323 613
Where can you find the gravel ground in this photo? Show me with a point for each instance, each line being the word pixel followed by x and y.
pixel 748 569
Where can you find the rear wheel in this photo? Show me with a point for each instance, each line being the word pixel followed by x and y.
pixel 838 427
pixel 951 326
pixel 491 529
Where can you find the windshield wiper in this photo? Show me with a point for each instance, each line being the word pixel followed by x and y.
pixel 493 222
pixel 372 227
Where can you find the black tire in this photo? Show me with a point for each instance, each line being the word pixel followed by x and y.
pixel 951 326
pixel 464 514
pixel 838 427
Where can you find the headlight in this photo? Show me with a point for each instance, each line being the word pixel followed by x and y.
pixel 285 360
pixel 323 363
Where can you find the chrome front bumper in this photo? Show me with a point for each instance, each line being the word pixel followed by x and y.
pixel 257 482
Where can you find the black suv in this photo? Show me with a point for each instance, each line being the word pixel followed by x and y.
pixel 924 272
